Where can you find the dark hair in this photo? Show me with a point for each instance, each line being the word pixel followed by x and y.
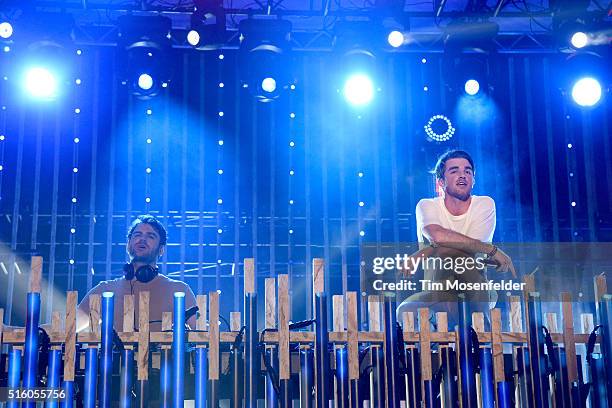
pixel 152 221
pixel 451 154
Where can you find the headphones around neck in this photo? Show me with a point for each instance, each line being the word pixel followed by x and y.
pixel 144 274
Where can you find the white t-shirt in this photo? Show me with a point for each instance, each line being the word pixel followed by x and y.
pixel 478 222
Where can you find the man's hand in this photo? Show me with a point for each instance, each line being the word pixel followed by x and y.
pixel 504 263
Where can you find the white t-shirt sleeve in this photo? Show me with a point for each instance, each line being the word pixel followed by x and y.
pixel 426 214
pixel 482 225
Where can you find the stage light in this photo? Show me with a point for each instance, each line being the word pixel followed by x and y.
pixel 439 128
pixel 145 82
pixel 40 83
pixel 586 92
pixel 472 87
pixel 359 90
pixel 6 30
pixel 395 38
pixel 268 84
pixel 193 37
pixel 579 40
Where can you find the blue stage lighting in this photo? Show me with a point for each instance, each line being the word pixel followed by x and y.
pixel 193 37
pixel 6 30
pixel 395 39
pixel 359 90
pixel 472 87
pixel 586 91
pixel 145 82
pixel 268 84
pixel 579 39
pixel 40 83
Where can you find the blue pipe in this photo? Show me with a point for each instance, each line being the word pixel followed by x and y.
pixel 413 379
pixel 68 400
pixel 450 390
pixel 355 400
pixel 251 351
pixel 393 380
pixel 285 398
pixel 165 377
pixel 30 367
pixel 53 375
pixel 178 351
pixel 106 358
pixel 91 374
pixel 342 382
pixel 605 319
pixel 323 388
pixel 271 400
pixel 538 360
pixel 377 378
pixel 201 377
pixel 14 374
pixel 468 378
pixel 306 377
pixel 430 394
pixel 127 366
pixel 524 378
pixel 486 377
pixel 504 394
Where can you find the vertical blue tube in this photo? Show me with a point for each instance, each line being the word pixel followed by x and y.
pixel 14 374
pixel 201 377
pixel 251 351
pixel 536 349
pixel 178 350
pixel 127 366
pixel 468 378
pixel 393 380
pixel 53 375
pixel 486 377
pixel 106 360
pixel 91 374
pixel 503 394
pixel 271 397
pixel 430 394
pixel 306 377
pixel 68 401
pixel 323 388
pixel 165 378
pixel 377 378
pixel 413 379
pixel 342 382
pixel 605 319
pixel 30 367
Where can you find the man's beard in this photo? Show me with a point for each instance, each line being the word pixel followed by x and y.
pixel 458 195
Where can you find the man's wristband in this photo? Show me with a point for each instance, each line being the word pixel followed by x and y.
pixel 492 253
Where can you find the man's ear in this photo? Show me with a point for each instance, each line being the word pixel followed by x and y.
pixel 162 249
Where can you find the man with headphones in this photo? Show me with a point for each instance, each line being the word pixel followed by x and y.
pixel 146 243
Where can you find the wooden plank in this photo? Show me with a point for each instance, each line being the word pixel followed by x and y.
pixel 56 322
pixel 36 274
pixel 70 340
pixel 283 327
pixel 587 323
pixel 352 329
pixel 128 313
pixel 213 345
pixel 318 275
pixel 601 286
pixel 235 322
pixel 478 322
pixel 1 326
pixel 143 336
pixel 270 303
pixel 249 275
pixel 408 321
pixel 551 322
pixel 95 308
pixel 166 321
pixel 338 312
pixel 202 302
pixel 516 316
pixel 424 344
pixel 568 336
pixel 442 322
pixel 374 319
pixel 497 346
